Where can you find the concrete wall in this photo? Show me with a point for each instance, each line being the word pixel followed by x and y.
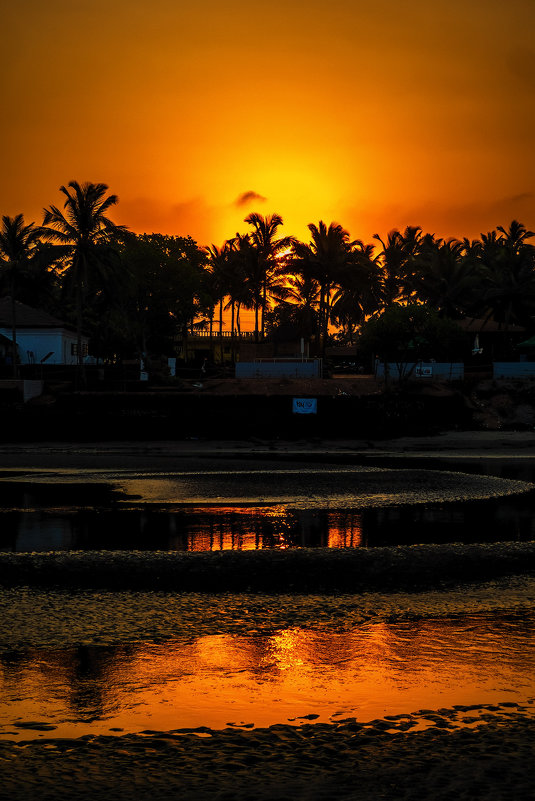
pixel 443 371
pixel 24 388
pixel 283 369
pixel 513 370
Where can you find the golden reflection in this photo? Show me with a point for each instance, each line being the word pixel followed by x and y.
pixel 365 672
pixel 286 649
pixel 243 528
pixel 345 530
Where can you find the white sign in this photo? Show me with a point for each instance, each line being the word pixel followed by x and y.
pixel 305 406
pixel 424 371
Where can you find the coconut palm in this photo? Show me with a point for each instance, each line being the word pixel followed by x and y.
pixel 508 275
pixel 84 234
pixel 218 260
pixel 18 248
pixel 324 259
pixel 445 276
pixel 358 293
pixel 397 257
pixel 268 248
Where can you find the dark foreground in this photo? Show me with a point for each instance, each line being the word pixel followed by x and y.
pixel 348 761
pixel 491 756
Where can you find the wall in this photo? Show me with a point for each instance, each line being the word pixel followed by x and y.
pixel 443 371
pixel 285 369
pixel 513 370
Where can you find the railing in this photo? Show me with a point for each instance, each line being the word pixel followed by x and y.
pixel 224 334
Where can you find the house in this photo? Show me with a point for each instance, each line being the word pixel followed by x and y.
pixel 41 338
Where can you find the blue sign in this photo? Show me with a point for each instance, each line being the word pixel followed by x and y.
pixel 305 406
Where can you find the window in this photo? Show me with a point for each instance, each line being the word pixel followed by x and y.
pixel 74 349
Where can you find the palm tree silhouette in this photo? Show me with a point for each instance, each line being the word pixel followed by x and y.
pixel 446 276
pixel 17 251
pixel 508 275
pixel 267 247
pixel 397 256
pixel 358 293
pixel 84 233
pixel 324 259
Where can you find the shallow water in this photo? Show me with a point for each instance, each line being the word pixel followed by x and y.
pixel 289 676
pixel 74 663
pixel 256 509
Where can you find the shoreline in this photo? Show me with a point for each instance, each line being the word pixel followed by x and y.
pixel 345 761
pixel 458 444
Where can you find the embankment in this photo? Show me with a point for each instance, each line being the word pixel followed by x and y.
pixel 302 570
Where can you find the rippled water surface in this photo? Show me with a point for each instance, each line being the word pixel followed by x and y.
pixel 239 509
pixel 289 676
pixel 125 661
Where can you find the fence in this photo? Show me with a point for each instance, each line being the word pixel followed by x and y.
pixel 513 370
pixel 283 368
pixel 442 371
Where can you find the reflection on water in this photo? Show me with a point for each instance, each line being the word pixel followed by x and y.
pixel 257 527
pixel 366 672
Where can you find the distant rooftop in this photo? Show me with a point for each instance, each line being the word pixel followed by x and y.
pixel 487 326
pixel 26 316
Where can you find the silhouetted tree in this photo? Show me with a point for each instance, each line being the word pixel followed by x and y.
pixel 268 247
pixel 84 233
pixel 323 259
pixel 18 249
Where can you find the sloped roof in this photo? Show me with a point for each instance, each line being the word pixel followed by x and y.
pixel 27 317
pixel 487 326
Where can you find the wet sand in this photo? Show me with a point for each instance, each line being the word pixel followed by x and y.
pixel 493 760
pixel 160 454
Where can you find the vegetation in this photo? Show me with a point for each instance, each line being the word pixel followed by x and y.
pixel 142 296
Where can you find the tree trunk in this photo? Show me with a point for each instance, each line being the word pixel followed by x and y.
pixel 14 334
pixel 232 311
pixel 221 351
pixel 80 374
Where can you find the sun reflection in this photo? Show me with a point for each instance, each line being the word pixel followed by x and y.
pixel 218 680
pixel 286 649
pixel 345 530
pixel 244 529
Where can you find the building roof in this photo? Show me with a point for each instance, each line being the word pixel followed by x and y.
pixel 27 317
pixel 487 326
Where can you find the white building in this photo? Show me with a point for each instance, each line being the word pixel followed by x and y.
pixel 41 338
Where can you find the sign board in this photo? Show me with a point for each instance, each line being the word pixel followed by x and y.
pixel 424 371
pixel 304 405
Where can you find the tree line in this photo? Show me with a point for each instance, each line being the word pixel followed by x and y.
pixel 139 294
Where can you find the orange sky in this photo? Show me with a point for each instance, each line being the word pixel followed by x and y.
pixel 373 114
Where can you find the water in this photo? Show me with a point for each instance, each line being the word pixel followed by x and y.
pixel 74 661
pixel 258 508
pixel 289 676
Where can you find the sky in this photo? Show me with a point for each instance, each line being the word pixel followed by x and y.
pixel 375 114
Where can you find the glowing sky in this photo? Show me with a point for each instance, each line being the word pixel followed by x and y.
pixel 373 113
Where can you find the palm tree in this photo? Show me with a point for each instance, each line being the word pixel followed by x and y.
pixel 358 293
pixel 397 256
pixel 508 275
pixel 445 276
pixel 300 294
pixel 267 247
pixel 84 233
pixel 218 259
pixel 17 250
pixel 324 259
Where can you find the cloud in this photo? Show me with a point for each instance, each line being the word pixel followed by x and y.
pixel 249 197
pixel 193 217
pixel 442 217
